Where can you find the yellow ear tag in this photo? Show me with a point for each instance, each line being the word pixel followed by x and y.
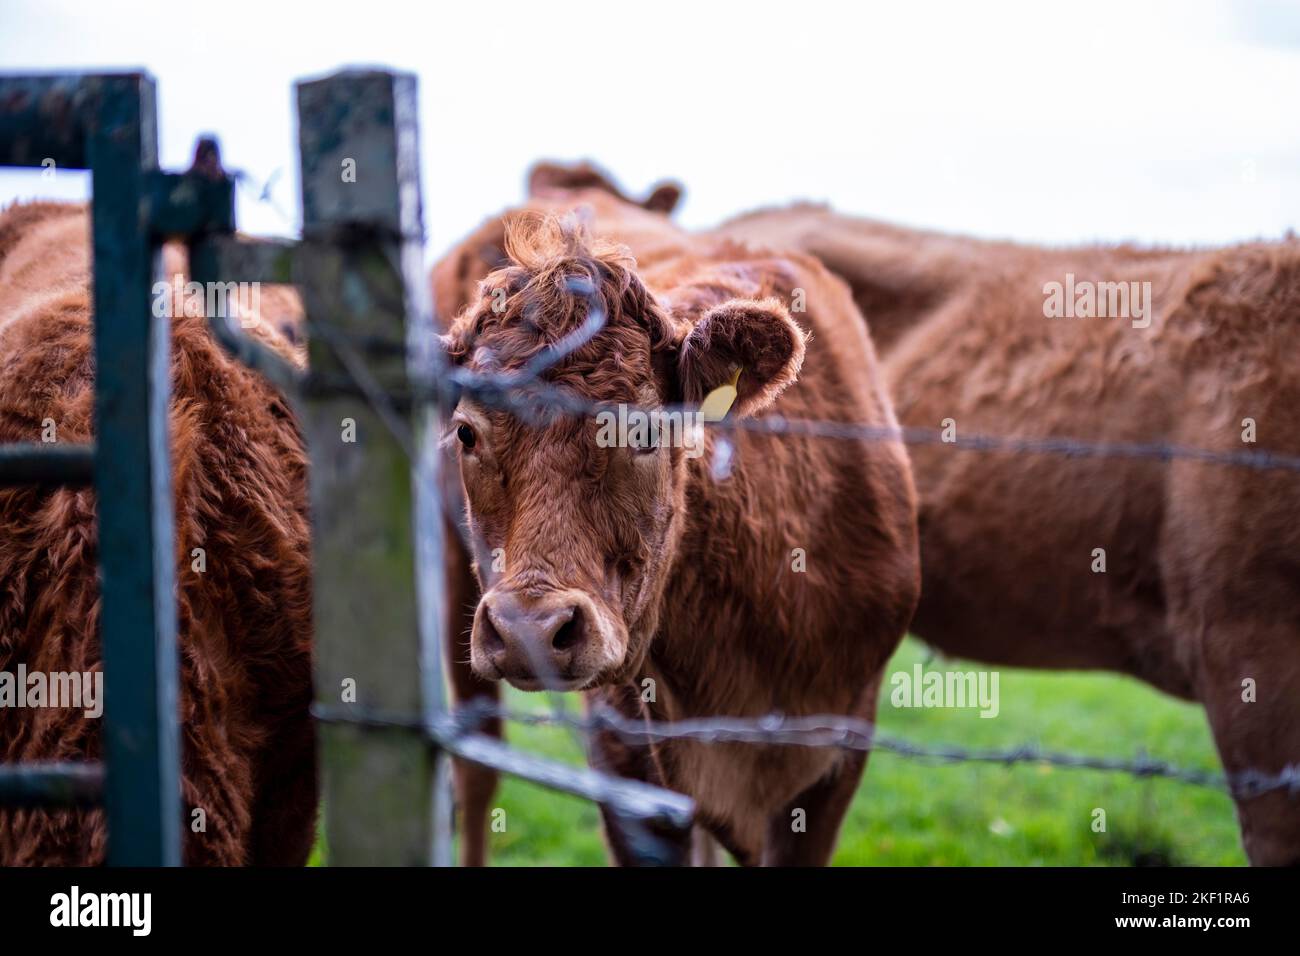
pixel 718 402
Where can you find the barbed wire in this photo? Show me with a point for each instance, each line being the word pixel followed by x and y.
pixel 829 731
pixel 263 193
pixel 537 401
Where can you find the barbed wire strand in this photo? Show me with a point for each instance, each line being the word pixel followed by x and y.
pixel 842 733
pixel 537 401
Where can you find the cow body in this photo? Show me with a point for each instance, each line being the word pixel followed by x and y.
pixel 239 479
pixel 1201 591
pixel 741 625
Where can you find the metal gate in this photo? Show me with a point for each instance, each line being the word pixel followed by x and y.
pixel 377 527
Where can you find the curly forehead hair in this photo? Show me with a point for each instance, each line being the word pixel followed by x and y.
pixel 557 273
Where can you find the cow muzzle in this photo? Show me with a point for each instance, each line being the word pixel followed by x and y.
pixel 559 641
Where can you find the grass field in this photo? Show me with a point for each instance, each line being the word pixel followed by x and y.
pixel 911 813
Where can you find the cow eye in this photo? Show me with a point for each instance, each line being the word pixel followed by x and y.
pixel 466 436
pixel 644 444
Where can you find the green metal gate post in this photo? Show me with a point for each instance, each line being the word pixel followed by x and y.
pixel 133 494
pixel 106 123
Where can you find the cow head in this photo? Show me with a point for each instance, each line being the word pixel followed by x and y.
pixel 577 537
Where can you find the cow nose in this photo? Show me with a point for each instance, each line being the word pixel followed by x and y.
pixel 532 641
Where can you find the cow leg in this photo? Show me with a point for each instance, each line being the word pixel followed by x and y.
pixel 620 835
pixel 1261 734
pixel 609 753
pixel 1230 573
pixel 824 805
pixel 475 786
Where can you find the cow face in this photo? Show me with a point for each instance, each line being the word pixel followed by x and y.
pixel 577 535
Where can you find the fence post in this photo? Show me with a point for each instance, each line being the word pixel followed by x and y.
pixel 376 541
pixel 133 496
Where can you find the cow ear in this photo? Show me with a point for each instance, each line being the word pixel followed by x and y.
pixel 456 276
pixel 664 198
pixel 753 337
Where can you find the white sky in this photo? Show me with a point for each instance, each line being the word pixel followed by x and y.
pixel 1059 122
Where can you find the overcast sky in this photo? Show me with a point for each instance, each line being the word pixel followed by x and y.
pixel 1163 122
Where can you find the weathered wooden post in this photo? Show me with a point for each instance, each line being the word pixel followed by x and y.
pixel 375 539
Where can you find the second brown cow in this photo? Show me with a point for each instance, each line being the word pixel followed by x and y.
pixel 1200 595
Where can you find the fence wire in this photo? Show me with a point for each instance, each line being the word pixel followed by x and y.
pixel 538 402
pixel 825 730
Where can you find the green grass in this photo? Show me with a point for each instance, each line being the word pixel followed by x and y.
pixel 913 813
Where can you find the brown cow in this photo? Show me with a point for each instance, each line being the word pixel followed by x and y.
pixel 1201 590
pixel 239 477
pixel 635 566
pixel 455 280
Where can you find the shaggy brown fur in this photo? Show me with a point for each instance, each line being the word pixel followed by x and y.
pixel 646 565
pixel 239 476
pixel 1202 584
